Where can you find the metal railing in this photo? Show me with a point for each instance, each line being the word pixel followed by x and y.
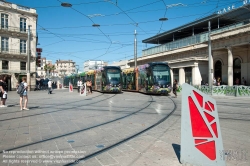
pixel 223 90
pixel 226 28
pixel 192 40
pixel 13 51
pixel 13 29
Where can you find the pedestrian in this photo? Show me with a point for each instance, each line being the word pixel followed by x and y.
pixel 49 87
pixel 214 81
pixel 218 81
pixel 3 91
pixel 175 87
pixel 90 86
pixel 244 82
pixel 237 82
pixel 79 85
pixel 24 95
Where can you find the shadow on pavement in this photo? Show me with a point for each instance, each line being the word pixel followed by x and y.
pixel 177 150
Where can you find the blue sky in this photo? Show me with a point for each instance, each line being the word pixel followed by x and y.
pixel 67 33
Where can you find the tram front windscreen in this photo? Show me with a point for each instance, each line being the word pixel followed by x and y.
pixel 161 74
pixel 113 76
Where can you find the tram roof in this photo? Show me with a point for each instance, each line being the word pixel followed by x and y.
pixel 108 67
pixel 239 14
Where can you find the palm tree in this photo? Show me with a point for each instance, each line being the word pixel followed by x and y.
pixel 52 68
pixel 46 68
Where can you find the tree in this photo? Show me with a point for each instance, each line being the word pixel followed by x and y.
pixel 52 68
pixel 49 67
pixel 46 68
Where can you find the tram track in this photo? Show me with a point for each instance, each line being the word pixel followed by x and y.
pixel 56 110
pixel 81 130
pixel 92 109
pixel 125 139
pixel 50 107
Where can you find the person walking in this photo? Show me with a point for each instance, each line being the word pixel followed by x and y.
pixel 90 86
pixel 175 87
pixel 49 87
pixel 79 85
pixel 214 82
pixel 218 81
pixel 3 91
pixel 24 95
pixel 243 81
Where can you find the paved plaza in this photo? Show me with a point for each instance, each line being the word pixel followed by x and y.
pixel 63 127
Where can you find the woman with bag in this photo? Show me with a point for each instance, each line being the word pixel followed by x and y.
pixel 175 87
pixel 3 91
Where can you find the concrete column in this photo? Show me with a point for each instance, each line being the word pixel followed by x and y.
pixel 172 77
pixel 196 75
pixel 230 66
pixel 193 75
pixel 181 76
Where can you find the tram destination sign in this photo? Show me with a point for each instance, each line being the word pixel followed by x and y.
pixel 160 67
pixel 113 71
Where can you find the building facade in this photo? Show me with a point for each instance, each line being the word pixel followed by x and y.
pixel 41 73
pixel 187 49
pixel 93 65
pixel 122 63
pixel 15 20
pixel 65 67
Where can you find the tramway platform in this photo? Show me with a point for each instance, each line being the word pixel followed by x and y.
pixel 84 127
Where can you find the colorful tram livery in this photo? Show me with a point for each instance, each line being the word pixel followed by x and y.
pixel 73 79
pixel 151 78
pixel 108 79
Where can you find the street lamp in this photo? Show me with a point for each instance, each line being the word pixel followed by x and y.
pixel 77 68
pixel 96 25
pixel 28 60
pixel 65 4
pixel 163 19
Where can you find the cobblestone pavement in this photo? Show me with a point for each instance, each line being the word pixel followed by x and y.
pixel 64 126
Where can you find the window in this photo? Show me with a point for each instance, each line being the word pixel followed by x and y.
pixel 22 25
pixel 5 65
pixel 175 74
pixel 22 65
pixel 22 46
pixel 5 44
pixel 188 75
pixel 4 21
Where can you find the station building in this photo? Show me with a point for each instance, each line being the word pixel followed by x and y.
pixel 186 48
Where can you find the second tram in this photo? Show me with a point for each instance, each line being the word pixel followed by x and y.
pixel 108 79
pixel 151 78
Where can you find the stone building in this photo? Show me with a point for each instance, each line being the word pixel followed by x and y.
pixel 15 20
pixel 65 67
pixel 93 65
pixel 186 48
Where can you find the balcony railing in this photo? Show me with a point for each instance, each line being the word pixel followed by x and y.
pixel 192 40
pixel 12 51
pixel 12 71
pixel 196 39
pixel 13 29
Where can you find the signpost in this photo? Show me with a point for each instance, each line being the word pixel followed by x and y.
pixel 201 139
pixel 70 87
pixel 83 90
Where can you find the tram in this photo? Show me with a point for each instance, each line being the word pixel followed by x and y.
pixel 108 79
pixel 73 79
pixel 150 78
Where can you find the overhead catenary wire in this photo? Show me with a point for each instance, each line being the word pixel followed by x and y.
pixel 109 35
pixel 90 20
